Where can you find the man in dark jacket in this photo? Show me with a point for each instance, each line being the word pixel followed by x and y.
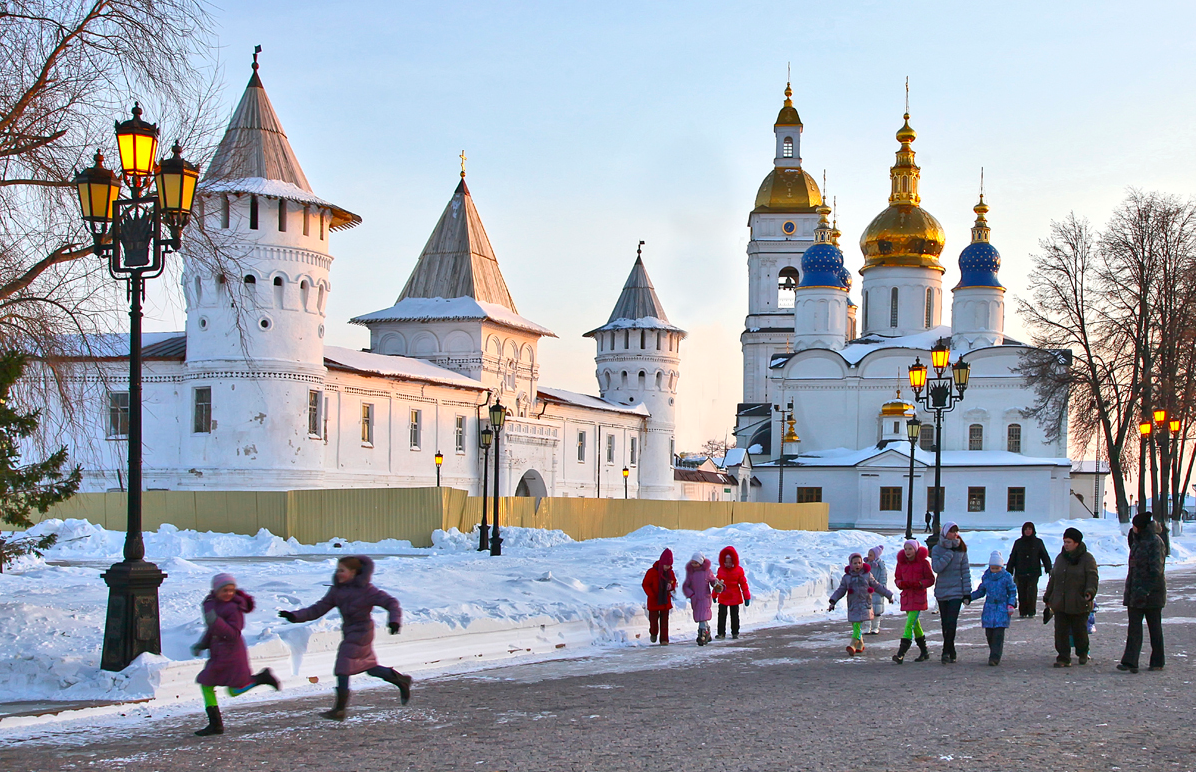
pixel 1028 559
pixel 1069 594
pixel 1145 594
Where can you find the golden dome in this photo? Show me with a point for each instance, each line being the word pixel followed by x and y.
pixel 896 407
pixel 788 189
pixel 788 115
pixel 905 234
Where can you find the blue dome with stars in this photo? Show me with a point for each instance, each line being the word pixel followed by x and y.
pixel 822 266
pixel 978 265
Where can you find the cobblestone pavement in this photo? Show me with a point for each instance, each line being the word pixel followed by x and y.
pixel 786 698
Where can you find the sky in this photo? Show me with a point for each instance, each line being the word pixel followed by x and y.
pixel 591 126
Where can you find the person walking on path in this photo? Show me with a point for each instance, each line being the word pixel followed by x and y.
pixel 880 572
pixel 1000 599
pixel 735 591
pixel 858 585
pixel 953 586
pixel 354 596
pixel 913 577
pixel 1028 560
pixel 659 584
pixel 224 611
pixel 1145 594
pixel 700 586
pixel 1069 594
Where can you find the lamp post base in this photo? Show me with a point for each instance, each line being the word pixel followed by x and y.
pixel 132 627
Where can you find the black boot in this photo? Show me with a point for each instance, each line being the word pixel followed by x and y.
pixel 266 678
pixel 899 657
pixel 401 681
pixel 338 711
pixel 215 723
pixel 923 652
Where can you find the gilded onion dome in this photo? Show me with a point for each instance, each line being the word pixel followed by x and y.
pixel 897 407
pixel 905 234
pixel 787 188
pixel 980 260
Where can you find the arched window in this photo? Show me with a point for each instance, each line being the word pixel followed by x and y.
pixel 623 379
pixel 1013 438
pixel 787 148
pixel 643 380
pixel 278 292
pixel 304 294
pixel 893 307
pixel 786 287
pixel 926 437
pixel 659 380
pixel 929 307
pixel 975 437
pixel 250 281
pixel 198 291
pixel 320 300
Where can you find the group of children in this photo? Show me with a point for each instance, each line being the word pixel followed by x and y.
pixel 703 587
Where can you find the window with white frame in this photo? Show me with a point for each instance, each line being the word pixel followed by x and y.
pixel 975 437
pixel 459 434
pixel 118 414
pixel 635 447
pixel 202 414
pixel 313 413
pixel 1013 438
pixel 610 448
pixel 367 424
pixel 581 447
pixel 415 429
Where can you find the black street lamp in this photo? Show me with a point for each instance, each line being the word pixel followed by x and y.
pixel 128 233
pixel 913 430
pixel 498 416
pixel 439 460
pixel 942 394
pixel 1144 427
pixel 485 437
pixel 626 474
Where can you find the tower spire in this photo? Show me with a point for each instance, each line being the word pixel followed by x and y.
pixel 462 164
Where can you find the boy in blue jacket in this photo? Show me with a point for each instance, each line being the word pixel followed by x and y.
pixel 1000 599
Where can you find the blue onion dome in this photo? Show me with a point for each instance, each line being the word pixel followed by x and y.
pixel 980 260
pixel 845 278
pixel 822 263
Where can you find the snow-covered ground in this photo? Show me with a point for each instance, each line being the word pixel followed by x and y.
pixel 546 596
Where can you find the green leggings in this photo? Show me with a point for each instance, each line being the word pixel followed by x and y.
pixel 209 693
pixel 913 628
pixel 855 630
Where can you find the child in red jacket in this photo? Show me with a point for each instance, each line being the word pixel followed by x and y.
pixel 659 583
pixel 913 577
pixel 735 591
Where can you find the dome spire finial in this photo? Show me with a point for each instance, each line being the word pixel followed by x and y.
pixel 463 158
pixel 981 231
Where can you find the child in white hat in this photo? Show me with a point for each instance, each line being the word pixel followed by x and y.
pixel 1000 598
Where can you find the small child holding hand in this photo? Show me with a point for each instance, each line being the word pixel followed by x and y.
pixel 1000 599
pixel 858 584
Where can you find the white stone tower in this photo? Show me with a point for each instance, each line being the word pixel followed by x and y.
pixel 639 361
pixel 256 289
pixel 782 227
pixel 978 301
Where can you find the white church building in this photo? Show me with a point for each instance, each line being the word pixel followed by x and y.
pixel 249 396
pixel 841 371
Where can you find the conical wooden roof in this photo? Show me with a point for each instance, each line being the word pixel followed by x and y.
pixel 638 306
pixel 458 260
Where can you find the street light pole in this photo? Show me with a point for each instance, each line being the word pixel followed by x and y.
pixel 913 429
pixel 439 460
pixel 940 395
pixel 128 234
pixel 626 474
pixel 498 416
pixel 485 437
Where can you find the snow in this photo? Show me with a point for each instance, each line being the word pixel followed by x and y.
pixel 397 367
pixel 263 187
pixel 642 323
pixel 585 400
pixel 850 457
pixel 447 309
pixel 547 596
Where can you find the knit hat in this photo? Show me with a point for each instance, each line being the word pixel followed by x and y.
pixel 666 557
pixel 220 580
pixel 698 558
pixel 994 559
pixel 947 526
pixel 1143 522
pixel 1073 534
pixel 853 556
pixel 911 543
pixel 874 553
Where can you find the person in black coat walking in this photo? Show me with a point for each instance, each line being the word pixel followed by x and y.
pixel 1145 594
pixel 1027 560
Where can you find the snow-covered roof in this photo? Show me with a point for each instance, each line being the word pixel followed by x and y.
pixel 404 368
pixel 735 457
pixel 855 351
pixel 642 323
pixel 841 457
pixel 114 345
pixel 451 309
pixel 585 400
pixel 260 186
pixel 638 306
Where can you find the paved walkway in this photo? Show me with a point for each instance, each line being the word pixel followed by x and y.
pixel 781 699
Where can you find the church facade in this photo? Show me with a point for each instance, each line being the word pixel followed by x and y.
pixel 839 370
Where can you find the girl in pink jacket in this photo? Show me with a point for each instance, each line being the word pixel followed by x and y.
pixel 699 582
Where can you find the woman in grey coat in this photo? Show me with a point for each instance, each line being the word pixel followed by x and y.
pixel 952 585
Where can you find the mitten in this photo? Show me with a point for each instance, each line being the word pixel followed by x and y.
pixel 209 617
pixel 747 602
pixel 967 600
pixel 288 615
pixel 393 627
pixel 1011 609
pixel 831 607
pixel 196 649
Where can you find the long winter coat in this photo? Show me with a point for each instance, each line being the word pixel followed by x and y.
pixel 881 573
pixel 1073 583
pixel 859 586
pixel 949 559
pixel 658 585
pixel 735 586
pixel 913 577
pixel 1029 556
pixel 355 599
pixel 699 579
pixel 1145 580
pixel 1000 592
pixel 228 658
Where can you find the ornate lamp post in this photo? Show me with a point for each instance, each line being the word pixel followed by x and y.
pixel 498 416
pixel 485 437
pixel 626 474
pixel 940 394
pixel 128 233
pixel 439 460
pixel 913 430
pixel 1144 428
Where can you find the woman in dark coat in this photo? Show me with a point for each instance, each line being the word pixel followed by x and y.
pixel 1145 594
pixel 1069 595
pixel 224 613
pixel 1028 560
pixel 353 595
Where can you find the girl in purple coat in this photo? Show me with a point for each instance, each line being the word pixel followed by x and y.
pixel 353 595
pixel 224 613
pixel 699 580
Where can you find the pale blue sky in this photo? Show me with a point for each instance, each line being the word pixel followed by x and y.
pixel 591 126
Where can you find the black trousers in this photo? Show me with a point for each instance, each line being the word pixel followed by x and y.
pixel 1133 640
pixel 1069 627
pixel 949 616
pixel 996 642
pixel 1027 594
pixel 722 619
